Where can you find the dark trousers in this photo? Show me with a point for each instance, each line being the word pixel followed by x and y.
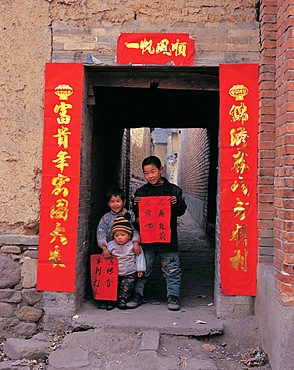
pixel 126 285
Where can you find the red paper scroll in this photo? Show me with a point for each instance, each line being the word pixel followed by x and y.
pixel 238 178
pixel 104 277
pixel 155 215
pixel 60 177
pixel 155 48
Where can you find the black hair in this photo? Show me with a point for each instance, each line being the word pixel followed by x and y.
pixel 117 192
pixel 152 160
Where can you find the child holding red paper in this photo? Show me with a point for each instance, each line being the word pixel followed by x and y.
pixel 167 252
pixel 116 199
pixel 130 266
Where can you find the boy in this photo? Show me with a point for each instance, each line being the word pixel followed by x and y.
pixel 130 266
pixel 168 252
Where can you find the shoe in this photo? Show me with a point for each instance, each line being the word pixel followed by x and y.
pixel 173 303
pixel 110 305
pixel 121 304
pixel 136 301
pixel 102 305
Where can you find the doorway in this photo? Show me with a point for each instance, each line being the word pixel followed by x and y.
pixel 133 97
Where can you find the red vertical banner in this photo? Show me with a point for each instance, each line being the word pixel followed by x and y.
pixel 238 178
pixel 60 177
pixel 155 215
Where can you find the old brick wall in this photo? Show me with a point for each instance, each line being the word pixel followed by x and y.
pixel 223 32
pixel 141 148
pixel 266 131
pixel 284 154
pixel 194 170
pixel 274 304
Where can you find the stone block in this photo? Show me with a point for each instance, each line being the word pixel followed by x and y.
pixel 11 249
pixel 69 358
pixel 31 296
pixel 19 239
pixel 18 349
pixel 9 272
pixel 10 296
pixel 26 329
pixel 7 325
pixel 150 340
pixel 28 313
pixel 29 273
pixel 6 310
pixel 31 254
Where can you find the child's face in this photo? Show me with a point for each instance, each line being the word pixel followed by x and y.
pixel 121 237
pixel 116 204
pixel 152 174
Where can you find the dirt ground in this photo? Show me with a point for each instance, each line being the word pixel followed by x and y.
pixel 236 349
pixel 224 354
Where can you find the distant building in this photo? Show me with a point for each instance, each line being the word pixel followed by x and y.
pixel 166 147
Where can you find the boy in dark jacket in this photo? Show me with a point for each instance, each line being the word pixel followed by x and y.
pixel 167 252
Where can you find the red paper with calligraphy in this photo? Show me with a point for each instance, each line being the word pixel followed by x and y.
pixel 60 177
pixel 104 277
pixel 155 215
pixel 238 178
pixel 155 48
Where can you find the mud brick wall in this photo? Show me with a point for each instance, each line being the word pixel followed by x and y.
pixel 20 303
pixel 38 31
pixel 194 170
pixel 223 33
pixel 25 36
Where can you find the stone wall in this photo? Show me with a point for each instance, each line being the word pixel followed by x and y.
pixel 21 305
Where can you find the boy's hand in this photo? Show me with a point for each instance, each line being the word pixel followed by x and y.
pixel 136 200
pixel 124 211
pixel 173 199
pixel 140 274
pixel 136 248
pixel 106 253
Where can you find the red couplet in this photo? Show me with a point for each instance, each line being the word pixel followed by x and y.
pixel 155 215
pixel 104 277
pixel 238 178
pixel 60 177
